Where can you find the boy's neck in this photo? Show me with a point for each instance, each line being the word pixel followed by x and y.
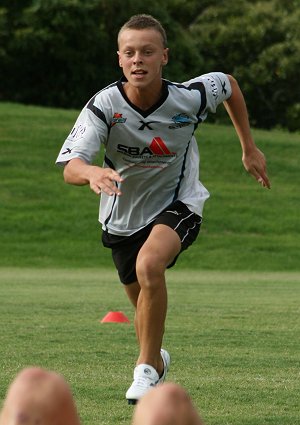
pixel 143 98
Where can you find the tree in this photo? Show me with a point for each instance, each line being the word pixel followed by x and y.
pixel 61 52
pixel 257 42
pixel 56 48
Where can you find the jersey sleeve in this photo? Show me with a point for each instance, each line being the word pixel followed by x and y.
pixel 85 138
pixel 217 89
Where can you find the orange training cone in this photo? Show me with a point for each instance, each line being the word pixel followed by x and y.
pixel 116 317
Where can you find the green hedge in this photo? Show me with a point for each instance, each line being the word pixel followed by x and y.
pixel 60 52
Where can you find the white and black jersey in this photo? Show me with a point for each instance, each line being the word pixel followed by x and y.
pixel 155 151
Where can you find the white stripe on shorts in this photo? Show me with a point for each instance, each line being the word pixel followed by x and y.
pixel 188 229
pixel 191 228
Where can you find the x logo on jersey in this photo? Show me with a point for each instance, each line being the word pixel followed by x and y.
pixel 146 124
pixel 68 150
pixel 223 88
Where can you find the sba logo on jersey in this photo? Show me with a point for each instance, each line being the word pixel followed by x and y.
pixel 156 155
pixel 156 147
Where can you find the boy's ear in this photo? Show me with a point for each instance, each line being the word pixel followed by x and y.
pixel 120 63
pixel 165 57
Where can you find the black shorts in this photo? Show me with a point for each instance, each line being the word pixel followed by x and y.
pixel 126 248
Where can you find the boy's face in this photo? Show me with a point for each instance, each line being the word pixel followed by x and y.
pixel 141 56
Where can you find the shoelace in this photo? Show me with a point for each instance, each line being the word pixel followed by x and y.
pixel 142 382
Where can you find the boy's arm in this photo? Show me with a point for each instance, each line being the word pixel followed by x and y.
pixel 253 159
pixel 100 179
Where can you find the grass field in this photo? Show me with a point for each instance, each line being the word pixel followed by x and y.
pixel 234 338
pixel 233 326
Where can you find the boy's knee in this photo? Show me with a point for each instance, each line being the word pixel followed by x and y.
pixel 149 268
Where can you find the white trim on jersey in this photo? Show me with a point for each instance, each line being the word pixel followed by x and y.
pixel 155 151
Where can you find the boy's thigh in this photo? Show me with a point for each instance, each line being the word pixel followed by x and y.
pixel 161 247
pixel 125 250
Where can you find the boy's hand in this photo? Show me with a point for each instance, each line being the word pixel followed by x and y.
pixel 255 163
pixel 104 180
pixel 100 179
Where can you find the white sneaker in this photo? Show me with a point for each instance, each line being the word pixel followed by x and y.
pixel 166 361
pixel 144 378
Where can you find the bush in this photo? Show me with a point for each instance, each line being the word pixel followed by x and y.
pixel 257 42
pixel 60 52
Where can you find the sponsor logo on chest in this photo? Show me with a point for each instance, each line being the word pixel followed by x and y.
pixel 156 147
pixel 155 155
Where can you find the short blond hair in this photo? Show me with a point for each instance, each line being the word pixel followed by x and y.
pixel 143 21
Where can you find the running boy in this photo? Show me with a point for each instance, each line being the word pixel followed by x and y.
pixel 151 197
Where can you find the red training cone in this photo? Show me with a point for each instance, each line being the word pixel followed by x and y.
pixel 116 317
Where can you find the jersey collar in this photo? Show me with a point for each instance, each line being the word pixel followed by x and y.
pixel 149 111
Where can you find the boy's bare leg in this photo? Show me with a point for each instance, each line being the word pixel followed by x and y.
pixel 133 291
pixel 166 404
pixel 37 396
pixel 162 245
